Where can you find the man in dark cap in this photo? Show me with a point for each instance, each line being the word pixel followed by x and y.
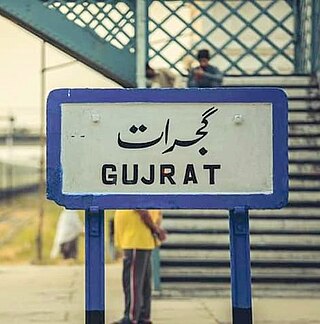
pixel 204 75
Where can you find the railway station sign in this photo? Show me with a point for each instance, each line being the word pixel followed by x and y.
pixel 167 148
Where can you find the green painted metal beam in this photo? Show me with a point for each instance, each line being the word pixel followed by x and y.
pixel 315 59
pixel 81 43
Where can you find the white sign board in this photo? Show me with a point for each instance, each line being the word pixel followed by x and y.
pixel 145 148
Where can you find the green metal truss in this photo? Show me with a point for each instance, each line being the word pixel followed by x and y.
pixel 244 37
pixel 69 26
pixel 235 32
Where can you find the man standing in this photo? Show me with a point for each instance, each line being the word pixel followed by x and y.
pixel 137 232
pixel 205 75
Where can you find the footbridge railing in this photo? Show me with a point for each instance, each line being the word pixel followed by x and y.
pixel 244 37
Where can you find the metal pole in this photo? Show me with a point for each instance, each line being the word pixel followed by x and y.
pixel 240 266
pixel 315 17
pixel 9 146
pixel 3 172
pixel 141 38
pixel 95 266
pixel 298 47
pixel 42 153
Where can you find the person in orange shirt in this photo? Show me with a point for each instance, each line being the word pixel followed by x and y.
pixel 137 232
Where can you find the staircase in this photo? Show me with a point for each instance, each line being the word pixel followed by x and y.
pixel 285 244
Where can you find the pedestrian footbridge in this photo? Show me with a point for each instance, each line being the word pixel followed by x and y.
pixel 117 37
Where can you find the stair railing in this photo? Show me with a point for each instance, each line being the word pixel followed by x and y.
pixel 315 59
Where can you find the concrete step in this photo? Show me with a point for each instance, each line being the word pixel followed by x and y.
pixel 288 278
pixel 303 104
pixel 286 271
pixel 257 231
pixel 311 135
pixel 223 264
pixel 300 290
pixel 258 246
pixel 304 114
pixel 256 225
pixel 205 214
pixel 303 141
pixel 305 196
pixel 311 111
pixel 297 127
pixel 269 80
pixel 259 240
pixel 224 255
pixel 290 90
pixel 299 188
pixel 305 167
pixel 303 204
pixel 314 97
pixel 305 155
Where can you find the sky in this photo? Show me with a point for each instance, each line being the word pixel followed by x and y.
pixel 20 66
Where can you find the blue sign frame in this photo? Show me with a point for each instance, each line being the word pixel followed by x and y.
pixel 277 199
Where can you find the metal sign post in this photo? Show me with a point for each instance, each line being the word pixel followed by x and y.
pixel 240 266
pixel 95 274
pixel 168 149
